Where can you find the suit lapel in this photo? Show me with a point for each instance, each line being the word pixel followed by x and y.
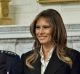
pixel 54 64
pixel 37 67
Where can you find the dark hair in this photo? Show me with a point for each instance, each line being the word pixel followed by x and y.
pixel 59 34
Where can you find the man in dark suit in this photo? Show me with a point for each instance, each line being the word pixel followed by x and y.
pixel 10 63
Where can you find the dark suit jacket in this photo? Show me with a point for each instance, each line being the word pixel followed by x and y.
pixel 55 65
pixel 10 63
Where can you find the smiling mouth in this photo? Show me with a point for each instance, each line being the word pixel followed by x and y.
pixel 41 37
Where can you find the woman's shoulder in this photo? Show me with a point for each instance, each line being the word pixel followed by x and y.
pixel 71 50
pixel 73 53
pixel 75 57
pixel 26 54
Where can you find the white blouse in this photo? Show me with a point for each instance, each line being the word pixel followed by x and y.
pixel 44 63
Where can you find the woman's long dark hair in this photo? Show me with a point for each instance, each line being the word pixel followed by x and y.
pixel 59 36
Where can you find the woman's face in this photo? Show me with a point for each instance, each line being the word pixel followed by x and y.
pixel 43 31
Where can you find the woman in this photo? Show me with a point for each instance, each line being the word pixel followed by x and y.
pixel 50 54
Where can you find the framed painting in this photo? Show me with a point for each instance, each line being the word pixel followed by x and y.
pixel 57 1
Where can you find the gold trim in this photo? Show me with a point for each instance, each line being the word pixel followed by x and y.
pixel 5 0
pixel 4 12
pixel 6 21
pixel 56 1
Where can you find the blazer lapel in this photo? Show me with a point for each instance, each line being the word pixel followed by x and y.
pixel 53 65
pixel 37 67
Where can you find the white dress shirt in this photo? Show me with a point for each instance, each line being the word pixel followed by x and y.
pixel 44 63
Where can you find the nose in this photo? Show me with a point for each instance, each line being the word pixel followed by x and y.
pixel 41 31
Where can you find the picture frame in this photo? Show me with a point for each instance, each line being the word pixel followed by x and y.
pixel 57 1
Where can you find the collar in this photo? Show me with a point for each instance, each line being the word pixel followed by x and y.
pixel 49 54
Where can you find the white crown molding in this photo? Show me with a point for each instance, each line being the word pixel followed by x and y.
pixel 13 31
pixel 73 30
pixel 19 31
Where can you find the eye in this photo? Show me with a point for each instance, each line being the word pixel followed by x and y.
pixel 46 26
pixel 37 27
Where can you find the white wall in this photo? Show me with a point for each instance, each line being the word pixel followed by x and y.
pixel 24 11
